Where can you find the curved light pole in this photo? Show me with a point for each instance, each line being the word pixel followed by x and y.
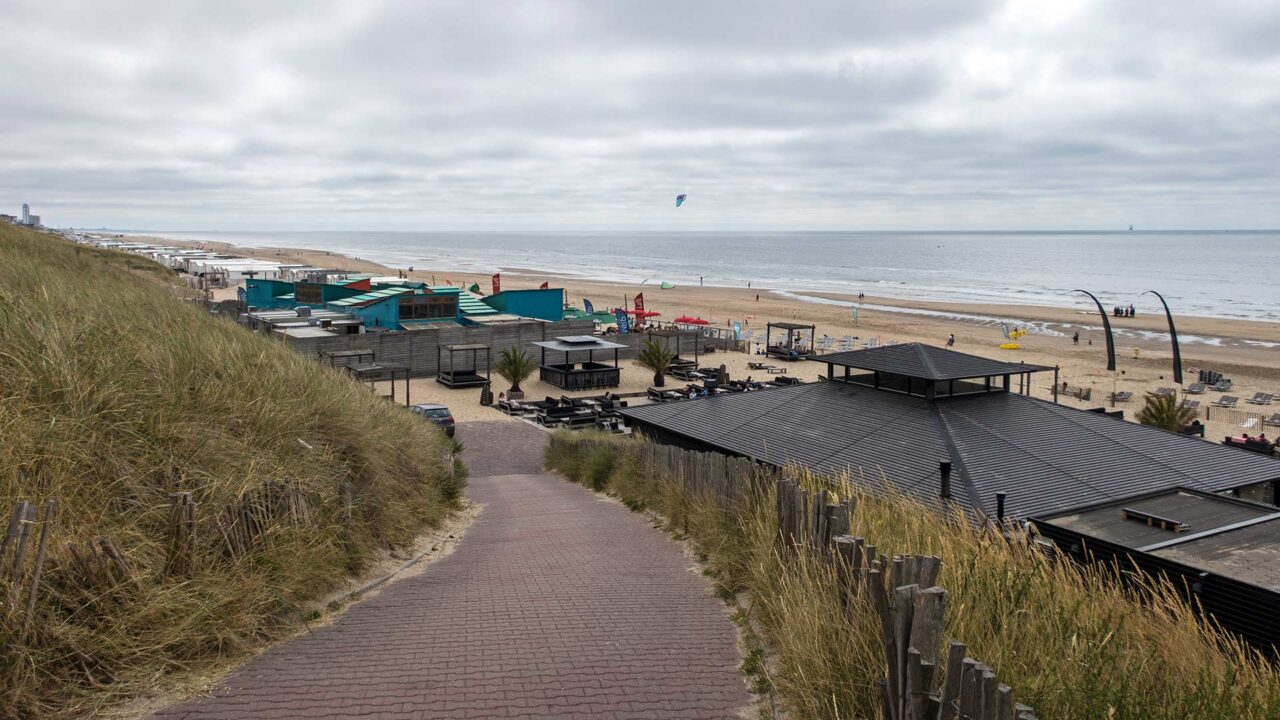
pixel 1106 326
pixel 1173 335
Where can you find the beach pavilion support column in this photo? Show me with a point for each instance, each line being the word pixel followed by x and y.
pixel 1055 384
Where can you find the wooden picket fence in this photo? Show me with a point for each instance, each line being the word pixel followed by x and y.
pixel 919 683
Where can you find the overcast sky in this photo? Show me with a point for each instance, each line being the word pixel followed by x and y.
pixel 945 114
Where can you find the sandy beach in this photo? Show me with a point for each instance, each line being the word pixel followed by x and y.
pixel 1247 352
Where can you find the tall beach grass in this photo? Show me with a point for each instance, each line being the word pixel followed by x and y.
pixel 1071 641
pixel 113 394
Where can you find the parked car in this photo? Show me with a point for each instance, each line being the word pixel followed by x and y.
pixel 438 414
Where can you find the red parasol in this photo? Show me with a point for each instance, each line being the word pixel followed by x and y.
pixel 692 320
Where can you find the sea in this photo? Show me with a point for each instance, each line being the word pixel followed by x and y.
pixel 1226 274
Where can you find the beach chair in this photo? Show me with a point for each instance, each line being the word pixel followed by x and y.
pixel 1260 399
pixel 1223 385
pixel 1164 391
pixel 1190 404
pixel 825 344
pixel 1273 421
pixel 1226 401
pixel 1194 388
pixel 1124 396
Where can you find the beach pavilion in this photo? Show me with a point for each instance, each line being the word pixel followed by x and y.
pixel 797 340
pixel 468 375
pixel 582 373
pixel 683 338
pixel 948 428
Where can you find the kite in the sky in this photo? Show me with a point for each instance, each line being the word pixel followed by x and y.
pixel 679 200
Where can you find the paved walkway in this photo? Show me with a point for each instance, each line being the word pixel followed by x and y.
pixel 554 605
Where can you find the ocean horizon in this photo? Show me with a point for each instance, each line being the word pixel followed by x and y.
pixel 1225 274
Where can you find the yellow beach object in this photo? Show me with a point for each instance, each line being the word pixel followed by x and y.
pixel 1010 346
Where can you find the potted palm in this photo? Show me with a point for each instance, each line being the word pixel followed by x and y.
pixel 515 366
pixel 1166 412
pixel 657 358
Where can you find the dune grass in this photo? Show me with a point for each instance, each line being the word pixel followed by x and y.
pixel 113 394
pixel 1071 641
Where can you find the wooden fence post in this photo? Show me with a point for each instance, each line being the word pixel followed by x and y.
pixel 45 524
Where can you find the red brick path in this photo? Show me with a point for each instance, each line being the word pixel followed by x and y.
pixel 554 605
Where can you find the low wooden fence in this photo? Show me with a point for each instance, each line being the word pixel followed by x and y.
pixel 919 682
pixel 98 567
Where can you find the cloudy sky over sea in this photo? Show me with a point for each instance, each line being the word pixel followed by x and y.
pixel 945 114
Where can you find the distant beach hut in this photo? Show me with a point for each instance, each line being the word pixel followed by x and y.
pixel 794 342
pixel 579 375
pixel 468 375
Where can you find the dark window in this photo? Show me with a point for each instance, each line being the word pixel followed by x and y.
pixel 428 307
pixel 307 293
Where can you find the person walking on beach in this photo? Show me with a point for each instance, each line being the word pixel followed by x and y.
pixel 757 297
pixel 951 340
pixel 1075 338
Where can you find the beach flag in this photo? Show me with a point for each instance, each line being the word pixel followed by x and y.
pixel 679 200
pixel 639 309
pixel 497 283
pixel 737 330
pixel 544 286
pixel 586 305
pixel 624 322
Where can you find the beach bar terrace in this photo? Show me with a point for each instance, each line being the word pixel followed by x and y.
pixel 579 375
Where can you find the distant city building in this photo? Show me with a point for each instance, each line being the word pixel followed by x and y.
pixel 8 218
pixel 26 214
pixel 33 220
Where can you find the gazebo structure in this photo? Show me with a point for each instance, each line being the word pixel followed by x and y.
pixel 465 377
pixel 793 344
pixel 584 375
pixel 374 372
pixel 356 357
pixel 682 337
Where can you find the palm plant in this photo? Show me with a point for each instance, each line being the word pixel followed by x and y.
pixel 515 366
pixel 657 358
pixel 1166 412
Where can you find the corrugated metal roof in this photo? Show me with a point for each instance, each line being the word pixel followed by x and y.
pixel 470 304
pixel 1048 458
pixel 372 296
pixel 926 362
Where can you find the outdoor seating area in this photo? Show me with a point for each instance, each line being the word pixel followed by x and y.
pixel 569 412
pixel 1123 396
pixel 789 341
pixel 1194 388
pixel 678 341
pixel 771 369
pixel 1261 399
pixel 1258 445
pixel 710 387
pixel 468 374
pixel 1226 401
pixel 579 375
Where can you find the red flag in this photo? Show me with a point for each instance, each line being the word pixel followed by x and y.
pixel 640 309
pixel 544 286
pixel 497 283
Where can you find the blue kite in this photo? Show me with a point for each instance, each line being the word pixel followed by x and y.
pixel 679 200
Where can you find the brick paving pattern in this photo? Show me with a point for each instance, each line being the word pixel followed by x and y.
pixel 554 605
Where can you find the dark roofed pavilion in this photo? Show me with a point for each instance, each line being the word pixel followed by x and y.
pixel 890 427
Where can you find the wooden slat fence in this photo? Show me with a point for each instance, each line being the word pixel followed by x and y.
pixel 919 683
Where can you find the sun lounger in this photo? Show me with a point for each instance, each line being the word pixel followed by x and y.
pixel 1195 388
pixel 1124 396
pixel 1273 421
pixel 1221 386
pixel 1191 404
pixel 1164 391
pixel 1260 399
pixel 1226 401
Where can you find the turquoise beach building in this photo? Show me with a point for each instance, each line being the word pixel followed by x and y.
pixel 398 305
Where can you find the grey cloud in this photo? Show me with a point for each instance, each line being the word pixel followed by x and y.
pixel 395 114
